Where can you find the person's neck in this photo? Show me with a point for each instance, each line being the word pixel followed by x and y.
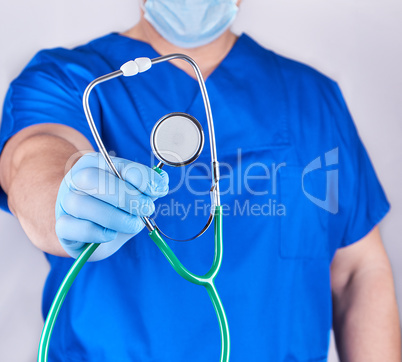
pixel 208 57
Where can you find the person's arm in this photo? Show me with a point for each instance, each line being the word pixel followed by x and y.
pixel 365 313
pixel 32 166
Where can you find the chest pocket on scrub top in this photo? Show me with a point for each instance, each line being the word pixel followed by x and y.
pixel 304 227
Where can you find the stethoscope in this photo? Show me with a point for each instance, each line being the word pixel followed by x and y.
pixel 170 148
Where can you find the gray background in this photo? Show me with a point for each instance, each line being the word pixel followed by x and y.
pixel 358 43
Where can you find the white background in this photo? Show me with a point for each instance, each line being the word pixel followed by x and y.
pixel 358 43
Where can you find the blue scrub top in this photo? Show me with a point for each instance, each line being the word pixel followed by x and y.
pixel 296 185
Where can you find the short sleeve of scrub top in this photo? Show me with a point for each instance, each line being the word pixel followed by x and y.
pixel 43 93
pixel 365 199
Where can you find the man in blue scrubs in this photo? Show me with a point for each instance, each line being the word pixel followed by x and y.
pixel 301 200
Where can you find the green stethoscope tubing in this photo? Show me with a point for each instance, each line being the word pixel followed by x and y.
pixel 206 280
pixel 59 299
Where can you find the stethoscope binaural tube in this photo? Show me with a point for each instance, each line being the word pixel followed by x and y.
pixel 141 65
pixel 128 69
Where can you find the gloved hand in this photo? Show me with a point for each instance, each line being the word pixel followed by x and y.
pixel 95 206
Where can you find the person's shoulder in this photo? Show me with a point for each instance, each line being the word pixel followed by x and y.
pixel 292 71
pixel 82 53
pixel 96 57
pixel 86 61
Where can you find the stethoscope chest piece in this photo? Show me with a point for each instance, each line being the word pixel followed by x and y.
pixel 177 139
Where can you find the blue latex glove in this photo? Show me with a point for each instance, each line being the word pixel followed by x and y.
pixel 95 206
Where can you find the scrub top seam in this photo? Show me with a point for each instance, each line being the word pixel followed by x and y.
pixel 371 224
pixel 284 101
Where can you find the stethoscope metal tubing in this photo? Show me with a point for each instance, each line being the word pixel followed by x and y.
pixel 204 94
pixel 85 102
pixel 91 123
pixel 210 121
pixel 215 197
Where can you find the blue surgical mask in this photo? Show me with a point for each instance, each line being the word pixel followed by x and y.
pixel 190 23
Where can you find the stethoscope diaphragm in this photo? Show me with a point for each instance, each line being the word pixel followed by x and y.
pixel 177 139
